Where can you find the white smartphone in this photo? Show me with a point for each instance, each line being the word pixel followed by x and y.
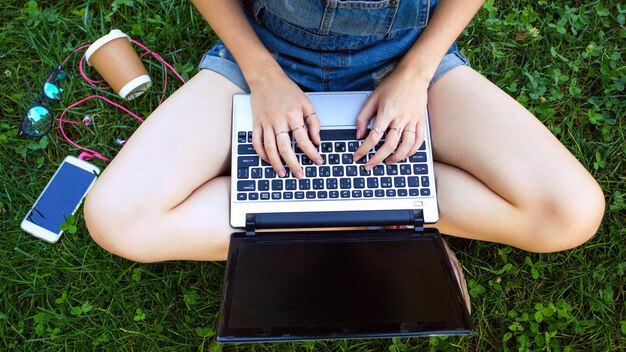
pixel 60 199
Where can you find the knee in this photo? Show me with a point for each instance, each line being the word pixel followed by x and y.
pixel 566 222
pixel 111 226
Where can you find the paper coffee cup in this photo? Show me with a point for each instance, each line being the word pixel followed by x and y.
pixel 117 62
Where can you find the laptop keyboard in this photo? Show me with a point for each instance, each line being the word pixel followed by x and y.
pixel 339 177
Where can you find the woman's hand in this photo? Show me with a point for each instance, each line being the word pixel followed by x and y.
pixel 399 104
pixel 280 109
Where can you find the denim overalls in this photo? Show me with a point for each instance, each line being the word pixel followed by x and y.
pixel 334 45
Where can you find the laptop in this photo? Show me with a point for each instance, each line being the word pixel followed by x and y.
pixel 314 259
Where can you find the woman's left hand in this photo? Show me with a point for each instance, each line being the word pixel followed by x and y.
pixel 399 104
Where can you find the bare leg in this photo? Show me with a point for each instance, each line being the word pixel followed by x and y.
pixel 501 175
pixel 165 196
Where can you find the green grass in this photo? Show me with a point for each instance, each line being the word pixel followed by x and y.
pixel 564 60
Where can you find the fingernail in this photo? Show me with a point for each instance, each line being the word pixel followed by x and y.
pixel 282 172
pixel 299 174
pixel 367 167
pixel 358 133
pixel 319 161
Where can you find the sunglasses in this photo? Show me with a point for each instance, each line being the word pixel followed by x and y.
pixel 38 120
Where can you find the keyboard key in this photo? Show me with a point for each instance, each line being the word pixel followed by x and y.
pixel 288 195
pixel 276 195
pixel 385 182
pixel 353 146
pixel 333 194
pixel 264 185
pixel 324 171
pixel 247 161
pixel 420 169
pixel 310 171
pixel 327 147
pixel 245 149
pixel 351 170
pixel 358 182
pixel 331 183
pixel 345 183
pixel 242 172
pixel 372 182
pixel 245 186
pixel 256 172
pixel 357 193
pixel 241 196
pixel 277 185
pixel 399 182
pixel 241 137
pixel 425 182
pixel 346 158
pixel 363 172
pixel 334 159
pixel 337 171
pixel 322 194
pixel 304 184
pixel 265 163
pixel 413 181
pixel 290 184
pixel 414 192
pixel 425 192
pixel 379 170
pixel 379 193
pixel 391 192
pixel 265 195
pixel 405 169
pixel 306 160
pixel 318 183
pixel 345 194
pixel 392 170
pixel 249 136
pixel 299 195
pixel 402 192
pixel 253 196
pixel 423 146
pixel 310 195
pixel 340 147
pixel 269 172
pixel 368 193
pixel 419 157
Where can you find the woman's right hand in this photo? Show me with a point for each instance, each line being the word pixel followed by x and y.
pixel 280 109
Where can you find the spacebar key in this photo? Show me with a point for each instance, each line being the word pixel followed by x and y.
pixel 248 160
pixel 338 135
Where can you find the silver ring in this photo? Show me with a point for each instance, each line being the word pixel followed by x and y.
pixel 281 132
pixel 379 129
pixel 303 126
pixel 409 131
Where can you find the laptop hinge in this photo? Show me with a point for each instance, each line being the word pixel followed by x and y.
pixel 413 217
pixel 418 220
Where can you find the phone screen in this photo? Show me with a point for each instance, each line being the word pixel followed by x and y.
pixel 61 197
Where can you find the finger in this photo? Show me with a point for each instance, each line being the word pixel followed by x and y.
pixel 407 142
pixel 283 140
pixel 376 133
pixel 257 141
pixel 391 143
pixel 420 131
pixel 312 121
pixel 272 151
pixel 365 115
pixel 301 136
pixel 412 133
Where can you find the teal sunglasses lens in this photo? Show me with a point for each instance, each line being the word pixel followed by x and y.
pixel 52 91
pixel 37 122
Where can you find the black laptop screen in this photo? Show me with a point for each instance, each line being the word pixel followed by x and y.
pixel 296 286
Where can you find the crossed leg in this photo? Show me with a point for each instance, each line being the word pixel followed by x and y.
pixel 501 176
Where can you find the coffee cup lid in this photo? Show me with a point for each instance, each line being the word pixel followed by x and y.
pixel 113 34
pixel 135 87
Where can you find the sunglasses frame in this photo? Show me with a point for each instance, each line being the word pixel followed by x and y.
pixel 40 102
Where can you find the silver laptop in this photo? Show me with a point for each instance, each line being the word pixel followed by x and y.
pixel 339 185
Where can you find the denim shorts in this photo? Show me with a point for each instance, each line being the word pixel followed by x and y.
pixel 334 45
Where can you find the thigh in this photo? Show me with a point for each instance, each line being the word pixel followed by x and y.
pixel 184 143
pixel 477 127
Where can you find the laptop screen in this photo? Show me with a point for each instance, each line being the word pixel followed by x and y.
pixel 339 285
